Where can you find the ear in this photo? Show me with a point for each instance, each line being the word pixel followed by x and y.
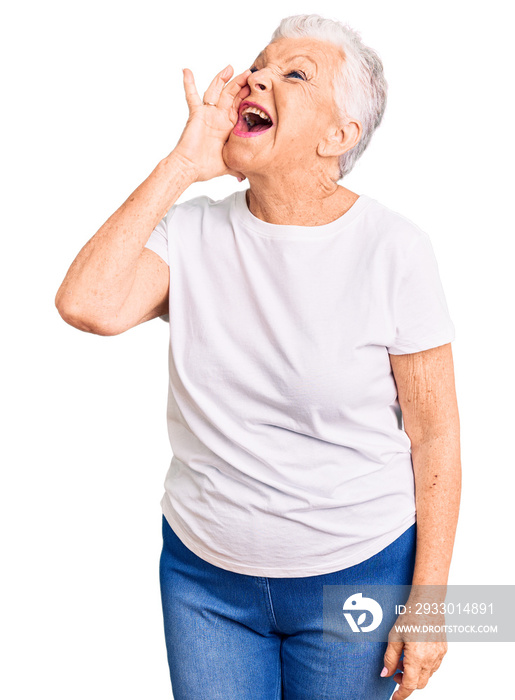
pixel 340 140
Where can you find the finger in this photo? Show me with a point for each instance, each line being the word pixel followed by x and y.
pixel 392 656
pixel 234 92
pixel 232 89
pixel 235 109
pixel 437 664
pixel 212 94
pixel 403 691
pixel 400 667
pixel 424 676
pixel 192 96
pixel 409 682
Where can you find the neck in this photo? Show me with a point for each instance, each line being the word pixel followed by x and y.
pixel 299 203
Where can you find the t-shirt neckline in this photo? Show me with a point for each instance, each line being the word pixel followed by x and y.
pixel 264 228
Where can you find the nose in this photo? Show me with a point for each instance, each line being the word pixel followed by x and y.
pixel 259 80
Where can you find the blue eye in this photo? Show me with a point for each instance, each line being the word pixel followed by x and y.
pixel 298 73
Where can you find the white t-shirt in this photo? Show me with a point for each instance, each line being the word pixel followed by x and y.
pixel 289 455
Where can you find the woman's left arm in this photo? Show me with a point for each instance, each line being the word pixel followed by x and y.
pixel 427 397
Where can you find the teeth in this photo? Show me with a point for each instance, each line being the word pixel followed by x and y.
pixel 257 111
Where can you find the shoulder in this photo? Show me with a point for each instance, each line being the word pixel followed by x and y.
pixel 392 226
pixel 205 203
pixel 392 236
pixel 198 217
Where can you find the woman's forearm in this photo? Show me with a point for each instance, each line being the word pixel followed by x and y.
pixel 101 276
pixel 437 469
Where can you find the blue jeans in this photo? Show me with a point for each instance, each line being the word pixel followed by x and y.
pixel 232 636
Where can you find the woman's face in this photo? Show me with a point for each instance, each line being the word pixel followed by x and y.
pixel 292 81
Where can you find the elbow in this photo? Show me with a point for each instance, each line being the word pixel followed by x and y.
pixel 77 319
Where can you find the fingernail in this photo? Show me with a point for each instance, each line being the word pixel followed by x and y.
pixel 384 672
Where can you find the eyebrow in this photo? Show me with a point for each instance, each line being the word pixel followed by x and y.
pixel 292 57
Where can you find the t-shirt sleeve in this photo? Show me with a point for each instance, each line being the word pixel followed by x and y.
pixel 158 242
pixel 420 310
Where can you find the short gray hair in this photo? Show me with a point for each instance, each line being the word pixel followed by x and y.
pixel 360 85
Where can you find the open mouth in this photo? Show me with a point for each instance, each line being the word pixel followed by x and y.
pixel 252 121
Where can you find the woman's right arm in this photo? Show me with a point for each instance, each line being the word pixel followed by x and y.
pixel 94 294
pixel 115 283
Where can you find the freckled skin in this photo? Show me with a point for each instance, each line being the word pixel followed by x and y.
pixel 292 168
pixel 427 397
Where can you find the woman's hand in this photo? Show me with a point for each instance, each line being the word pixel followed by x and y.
pixel 208 127
pixel 420 661
pixel 421 658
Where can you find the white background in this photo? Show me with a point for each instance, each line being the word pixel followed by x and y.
pixel 93 99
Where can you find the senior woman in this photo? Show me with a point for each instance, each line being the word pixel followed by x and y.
pixel 311 378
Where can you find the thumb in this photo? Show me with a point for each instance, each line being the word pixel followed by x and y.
pixel 391 658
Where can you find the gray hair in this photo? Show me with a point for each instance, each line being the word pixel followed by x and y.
pixel 360 85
